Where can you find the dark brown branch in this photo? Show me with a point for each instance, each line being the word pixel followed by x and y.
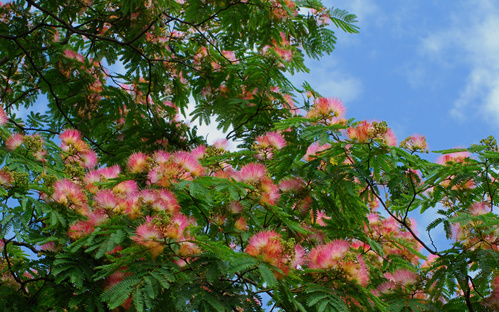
pixel 56 99
pixel 467 296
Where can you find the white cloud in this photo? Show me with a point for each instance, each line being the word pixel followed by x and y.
pixel 338 85
pixel 472 40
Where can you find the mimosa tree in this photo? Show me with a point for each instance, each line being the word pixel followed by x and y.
pixel 110 201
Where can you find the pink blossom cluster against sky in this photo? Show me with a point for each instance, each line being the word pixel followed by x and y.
pixel 416 65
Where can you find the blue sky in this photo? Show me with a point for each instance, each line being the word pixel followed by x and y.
pixel 427 67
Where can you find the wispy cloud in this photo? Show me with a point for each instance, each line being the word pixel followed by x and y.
pixel 472 40
pixel 338 84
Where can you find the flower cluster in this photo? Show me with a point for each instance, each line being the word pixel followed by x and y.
pixel 77 150
pixel 415 143
pixel 328 111
pixel 367 131
pixel 267 144
pixel 272 249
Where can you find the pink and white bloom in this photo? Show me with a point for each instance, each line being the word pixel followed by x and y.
pixel 150 236
pixel 229 55
pixel 402 277
pixel 266 244
pixel 240 224
pixel 459 157
pixel 328 256
pixel 14 141
pixel 266 144
pixel 137 163
pixel 479 208
pixel 221 144
pixel 67 192
pixel 178 224
pixel 327 108
pixel 70 136
pixel 292 185
pixel 252 173
pixel 415 143
pixel 189 163
pixel 314 150
pixel 81 229
pixel 105 199
pixel 5 177
pixel 88 159
pixel 3 117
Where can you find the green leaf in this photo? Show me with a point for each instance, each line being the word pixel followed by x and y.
pixel 267 275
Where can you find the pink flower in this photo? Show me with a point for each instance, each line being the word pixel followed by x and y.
pixel 459 157
pixel 189 163
pixel 251 173
pixel 109 172
pixel 66 192
pixel 221 144
pixel 188 249
pixel 479 208
pixel 97 217
pixel 415 143
pixel 88 159
pixel 105 199
pixel 429 261
pixel 161 157
pixel 361 132
pixel 285 54
pixel 328 256
pixel 314 150
pixel 80 229
pixel 14 141
pixel 389 225
pixel 298 258
pixel 292 185
pixel 50 246
pixel 126 188
pixel 303 205
pixel 148 234
pixel 321 215
pixel 266 244
pixel 327 108
pixel 177 226
pixel 402 277
pixel 165 201
pixel 240 224
pixel 357 270
pixel 3 117
pixel 229 55
pixel 70 136
pixel 457 232
pixel 198 152
pixel 5 177
pixel 40 155
pixel 69 54
pixel 270 192
pixel 389 138
pixel 137 163
pixel 271 139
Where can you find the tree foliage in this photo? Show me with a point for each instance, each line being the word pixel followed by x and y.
pixel 110 201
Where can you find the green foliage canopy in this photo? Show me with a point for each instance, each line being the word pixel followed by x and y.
pixel 109 201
